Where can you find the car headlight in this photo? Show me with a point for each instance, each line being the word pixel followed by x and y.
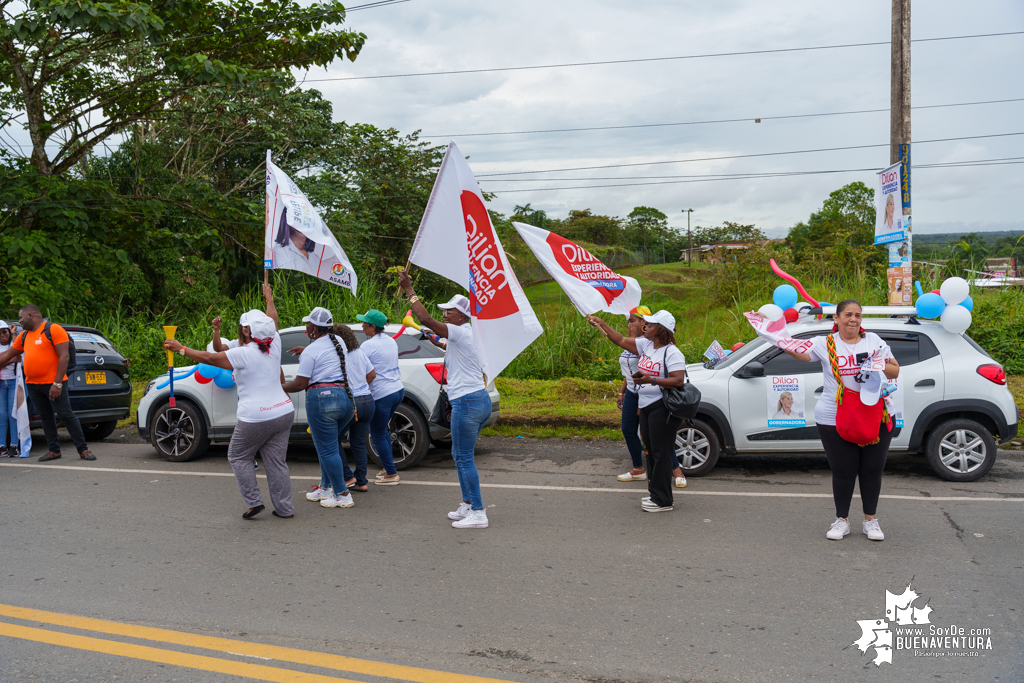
pixel 149 386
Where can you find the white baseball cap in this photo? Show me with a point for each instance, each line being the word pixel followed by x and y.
pixel 245 320
pixel 663 318
pixel 4 325
pixel 320 317
pixel 872 388
pixel 458 301
pixel 261 325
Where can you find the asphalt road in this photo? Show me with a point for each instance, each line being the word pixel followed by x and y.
pixel 571 582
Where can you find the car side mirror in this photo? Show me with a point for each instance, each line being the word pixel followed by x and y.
pixel 750 371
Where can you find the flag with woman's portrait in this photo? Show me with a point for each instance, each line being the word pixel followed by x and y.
pixel 20 413
pixel 296 238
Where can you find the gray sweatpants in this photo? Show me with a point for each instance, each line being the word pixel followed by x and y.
pixel 270 439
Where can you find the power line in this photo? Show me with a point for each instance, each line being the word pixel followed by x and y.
pixel 740 156
pixel 753 177
pixel 747 119
pixel 658 59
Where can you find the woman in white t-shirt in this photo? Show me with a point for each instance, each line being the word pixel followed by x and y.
pixel 660 365
pixel 387 389
pixel 265 412
pixel 323 375
pixel 8 385
pixel 848 461
pixel 467 391
pixel 360 376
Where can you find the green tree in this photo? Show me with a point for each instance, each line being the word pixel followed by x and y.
pixel 584 225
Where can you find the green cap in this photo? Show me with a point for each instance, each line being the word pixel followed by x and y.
pixel 374 317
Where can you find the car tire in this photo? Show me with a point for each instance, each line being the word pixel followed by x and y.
pixel 179 434
pixel 960 450
pixel 410 437
pixel 697 448
pixel 97 431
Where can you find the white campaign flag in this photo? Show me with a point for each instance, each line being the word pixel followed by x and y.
pixel 296 238
pixel 457 240
pixel 590 284
pixel 20 412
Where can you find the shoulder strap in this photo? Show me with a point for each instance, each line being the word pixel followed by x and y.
pixel 46 331
pixel 833 359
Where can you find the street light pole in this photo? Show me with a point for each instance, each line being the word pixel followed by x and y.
pixel 689 235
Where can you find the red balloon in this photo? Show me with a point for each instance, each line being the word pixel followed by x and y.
pixel 791 315
pixel 737 345
pixel 935 291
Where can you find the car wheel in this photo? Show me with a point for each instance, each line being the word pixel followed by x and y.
pixel 697 448
pixel 179 433
pixel 960 450
pixel 99 430
pixel 410 438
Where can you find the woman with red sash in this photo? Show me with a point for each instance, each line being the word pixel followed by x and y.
pixel 854 432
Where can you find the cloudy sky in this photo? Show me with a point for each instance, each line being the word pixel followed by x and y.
pixel 443 35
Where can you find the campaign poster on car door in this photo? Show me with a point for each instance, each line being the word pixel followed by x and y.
pixel 786 401
pixel 894 402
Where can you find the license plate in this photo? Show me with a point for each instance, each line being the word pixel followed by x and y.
pixel 96 377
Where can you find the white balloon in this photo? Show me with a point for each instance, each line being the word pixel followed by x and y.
pixel 771 311
pixel 956 318
pixel 954 290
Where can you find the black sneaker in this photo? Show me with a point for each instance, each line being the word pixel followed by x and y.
pixel 3 452
pixel 14 452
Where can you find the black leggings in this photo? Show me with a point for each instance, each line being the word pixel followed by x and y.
pixel 658 430
pixel 848 461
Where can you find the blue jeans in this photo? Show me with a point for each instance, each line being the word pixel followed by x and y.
pixel 469 413
pixel 329 412
pixel 7 420
pixel 365 409
pixel 383 412
pixel 630 428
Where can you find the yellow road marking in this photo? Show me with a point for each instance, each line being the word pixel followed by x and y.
pixel 242 647
pixel 257 672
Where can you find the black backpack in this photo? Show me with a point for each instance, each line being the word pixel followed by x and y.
pixel 71 344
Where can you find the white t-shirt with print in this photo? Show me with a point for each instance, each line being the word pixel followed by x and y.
pixel 382 352
pixel 319 361
pixel 652 362
pixel 627 363
pixel 846 355
pixel 465 373
pixel 233 344
pixel 258 379
pixel 358 366
pixel 9 371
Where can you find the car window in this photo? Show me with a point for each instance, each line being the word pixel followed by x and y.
pixel 776 362
pixel 410 346
pixel 910 347
pixel 91 342
pixel 289 340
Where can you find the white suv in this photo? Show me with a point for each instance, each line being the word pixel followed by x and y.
pixel 205 413
pixel 955 400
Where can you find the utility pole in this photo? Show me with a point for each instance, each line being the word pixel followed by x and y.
pixel 900 266
pixel 689 235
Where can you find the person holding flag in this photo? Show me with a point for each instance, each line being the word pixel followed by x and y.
pixel 467 391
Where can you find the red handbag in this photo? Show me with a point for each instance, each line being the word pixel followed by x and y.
pixel 855 422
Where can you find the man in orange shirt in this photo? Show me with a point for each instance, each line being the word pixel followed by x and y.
pixel 45 365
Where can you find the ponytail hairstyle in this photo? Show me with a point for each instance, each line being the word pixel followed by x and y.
pixel 264 344
pixel 842 306
pixel 329 331
pixel 347 336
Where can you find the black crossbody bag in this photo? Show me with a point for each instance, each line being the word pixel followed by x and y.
pixel 681 402
pixel 441 415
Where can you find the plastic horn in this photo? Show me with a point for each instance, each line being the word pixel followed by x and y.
pixel 405 324
pixel 792 280
pixel 169 331
pixel 409 322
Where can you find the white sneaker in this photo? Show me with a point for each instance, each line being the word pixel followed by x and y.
pixel 680 482
pixel 476 519
pixel 651 506
pixel 872 530
pixel 839 528
pixel 344 501
pixel 629 476
pixel 320 494
pixel 461 513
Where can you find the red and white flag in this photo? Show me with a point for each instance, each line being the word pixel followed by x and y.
pixel 590 284
pixel 457 240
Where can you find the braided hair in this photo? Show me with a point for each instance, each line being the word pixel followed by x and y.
pixel 341 357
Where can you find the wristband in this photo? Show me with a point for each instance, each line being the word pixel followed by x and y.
pixel 414 299
pixel 182 350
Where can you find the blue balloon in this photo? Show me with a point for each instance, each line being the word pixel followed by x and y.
pixel 728 352
pixel 930 305
pixel 224 380
pixel 967 303
pixel 785 296
pixel 917 285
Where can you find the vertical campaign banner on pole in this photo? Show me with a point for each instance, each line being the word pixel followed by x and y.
pixel 786 401
pixel 892 228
